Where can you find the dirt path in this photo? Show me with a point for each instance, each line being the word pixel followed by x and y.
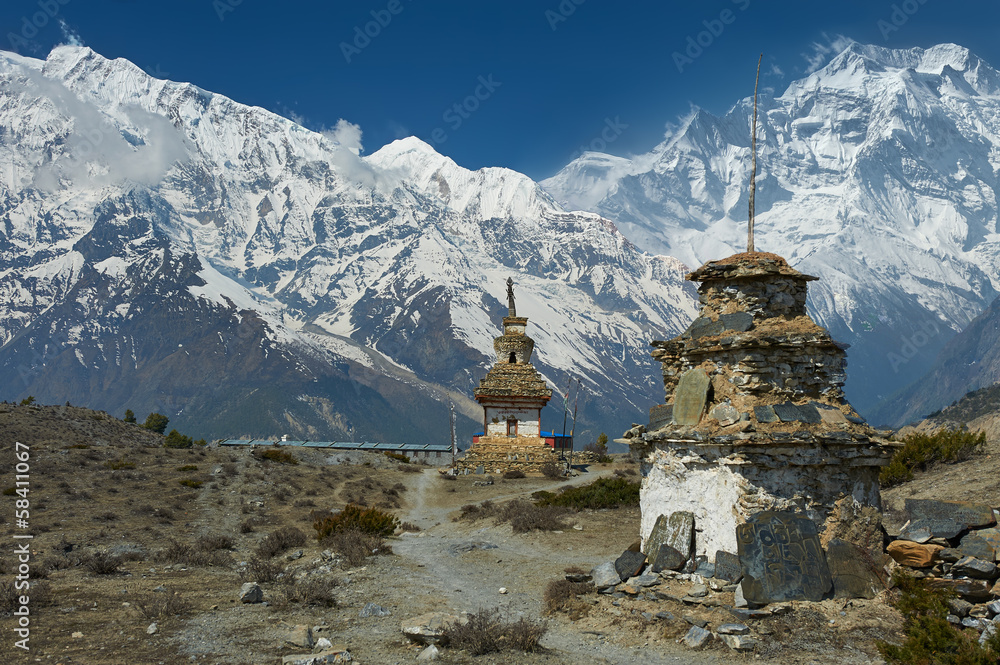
pixel 457 567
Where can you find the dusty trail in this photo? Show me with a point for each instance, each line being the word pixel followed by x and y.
pixel 455 569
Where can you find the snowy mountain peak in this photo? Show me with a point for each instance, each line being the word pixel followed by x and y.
pixel 878 173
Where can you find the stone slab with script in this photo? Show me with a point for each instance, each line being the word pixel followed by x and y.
pixel 852 571
pixel 690 396
pixel 782 558
pixel 676 530
pixel 973 515
pixel 727 566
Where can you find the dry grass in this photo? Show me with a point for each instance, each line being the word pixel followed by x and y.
pixel 488 631
pixel 564 596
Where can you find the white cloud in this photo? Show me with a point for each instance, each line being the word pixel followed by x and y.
pixel 824 50
pixel 776 71
pixel 345 134
pixel 70 36
pixel 100 149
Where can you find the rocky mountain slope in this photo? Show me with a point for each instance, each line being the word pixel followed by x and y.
pixel 878 173
pixel 165 248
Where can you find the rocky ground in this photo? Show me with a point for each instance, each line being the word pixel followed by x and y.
pixel 129 534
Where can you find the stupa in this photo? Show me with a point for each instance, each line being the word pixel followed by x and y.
pixel 512 394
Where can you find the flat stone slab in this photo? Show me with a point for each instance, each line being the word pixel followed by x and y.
pixel 851 570
pixel 697 637
pixel 659 415
pixel 430 628
pixel 830 415
pixel 705 327
pixel 922 530
pixel 629 564
pixel 667 558
pixel 727 566
pixel 676 530
pixel 973 544
pixel 737 321
pixel 970 566
pixel 803 413
pixel 690 396
pixel 972 515
pixel 782 558
pixel 974 591
pixel 991 536
pixel 765 414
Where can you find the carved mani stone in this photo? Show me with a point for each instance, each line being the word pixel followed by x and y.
pixel 676 530
pixel 853 574
pixel 727 566
pixel 690 396
pixel 782 558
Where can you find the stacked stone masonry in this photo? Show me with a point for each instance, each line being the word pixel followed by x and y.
pixel 754 417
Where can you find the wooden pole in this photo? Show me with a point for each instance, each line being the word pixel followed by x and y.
pixel 753 157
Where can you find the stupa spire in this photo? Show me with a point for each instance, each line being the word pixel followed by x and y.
pixel 753 158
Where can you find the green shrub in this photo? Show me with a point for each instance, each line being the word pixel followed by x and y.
pixel 28 401
pixel 354 517
pixel 920 451
pixel 930 638
pixel 279 456
pixel 188 467
pixel 120 463
pixel 156 422
pixel 190 482
pixel 399 457
pixel 129 416
pixel 177 440
pixel 602 493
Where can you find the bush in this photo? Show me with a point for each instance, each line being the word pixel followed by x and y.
pixel 929 637
pixel 317 594
pixel 162 604
pixel 102 563
pixel 278 541
pixel 602 493
pixel 215 541
pixel 513 474
pixel 355 546
pixel 120 463
pixel 129 416
pixel 399 457
pixel 28 401
pixel 409 468
pixel 487 631
pixel 920 451
pixel 354 517
pixel 277 455
pixel 551 470
pixel 190 482
pixel 261 570
pixel 600 449
pixel 563 596
pixel 522 515
pixel 156 422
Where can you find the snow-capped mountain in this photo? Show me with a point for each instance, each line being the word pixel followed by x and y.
pixel 877 173
pixel 168 248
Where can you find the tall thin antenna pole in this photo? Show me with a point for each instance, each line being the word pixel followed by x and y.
pixel 454 440
pixel 753 157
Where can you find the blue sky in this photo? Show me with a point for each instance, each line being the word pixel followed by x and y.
pixel 522 84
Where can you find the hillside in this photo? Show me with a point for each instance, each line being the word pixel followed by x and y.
pixel 968 362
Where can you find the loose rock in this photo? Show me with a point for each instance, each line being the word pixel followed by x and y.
pixel 250 592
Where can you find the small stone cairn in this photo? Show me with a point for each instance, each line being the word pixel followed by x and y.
pixel 954 546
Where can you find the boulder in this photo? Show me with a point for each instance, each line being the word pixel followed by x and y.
pixel 251 592
pixel 914 555
pixel 605 576
pixel 300 636
pixel 974 591
pixel 739 642
pixel 430 653
pixel 373 610
pixel 972 544
pixel 697 637
pixel 977 568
